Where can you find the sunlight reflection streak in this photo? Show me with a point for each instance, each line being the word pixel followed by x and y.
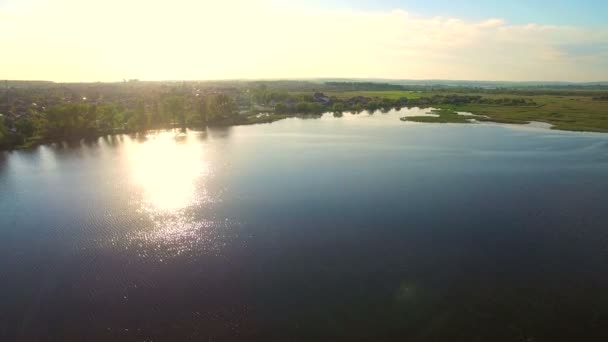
pixel 168 169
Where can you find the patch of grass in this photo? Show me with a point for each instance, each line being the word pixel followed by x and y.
pixel 443 116
pixel 502 120
pixel 572 113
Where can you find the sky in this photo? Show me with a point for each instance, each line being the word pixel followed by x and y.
pixel 112 40
pixel 548 12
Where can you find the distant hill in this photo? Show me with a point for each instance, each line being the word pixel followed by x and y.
pixel 471 83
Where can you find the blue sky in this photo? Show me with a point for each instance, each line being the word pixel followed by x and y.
pixel 548 12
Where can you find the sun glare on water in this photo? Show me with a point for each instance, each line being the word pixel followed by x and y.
pixel 169 169
pixel 170 173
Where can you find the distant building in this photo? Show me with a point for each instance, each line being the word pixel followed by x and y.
pixel 322 99
pixel 358 100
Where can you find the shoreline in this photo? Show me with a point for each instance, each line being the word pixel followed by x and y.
pixel 442 114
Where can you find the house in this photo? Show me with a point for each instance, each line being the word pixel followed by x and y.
pixel 322 99
pixel 358 100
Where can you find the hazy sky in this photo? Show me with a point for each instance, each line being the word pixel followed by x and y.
pixel 110 40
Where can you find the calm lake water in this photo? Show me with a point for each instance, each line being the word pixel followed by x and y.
pixel 354 228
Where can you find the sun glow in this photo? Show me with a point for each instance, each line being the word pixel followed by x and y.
pixel 236 39
pixel 168 168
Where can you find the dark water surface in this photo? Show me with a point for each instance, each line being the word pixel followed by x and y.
pixel 353 228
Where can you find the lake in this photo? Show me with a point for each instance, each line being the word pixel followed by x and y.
pixel 361 227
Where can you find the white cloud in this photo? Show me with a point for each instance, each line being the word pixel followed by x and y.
pixel 76 40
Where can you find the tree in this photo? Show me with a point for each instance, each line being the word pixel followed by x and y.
pixel 373 105
pixel 175 107
pixel 25 126
pixel 302 107
pixel 338 107
pixel 156 116
pixel 387 104
pixel 109 116
pixel 4 140
pixel 223 105
pixel 203 109
pixel 68 119
pixel 138 119
pixel 359 108
pixel 280 108
pixel 260 93
pixel 316 108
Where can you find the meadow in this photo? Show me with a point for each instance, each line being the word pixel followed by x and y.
pixel 384 94
pixel 565 112
pixel 572 113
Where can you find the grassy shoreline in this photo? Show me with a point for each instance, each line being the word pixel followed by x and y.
pixel 567 113
pixel 564 111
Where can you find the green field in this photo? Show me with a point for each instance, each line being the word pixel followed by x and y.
pixel 574 113
pixel 565 112
pixel 388 94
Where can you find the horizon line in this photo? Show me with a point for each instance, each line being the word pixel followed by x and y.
pixel 309 79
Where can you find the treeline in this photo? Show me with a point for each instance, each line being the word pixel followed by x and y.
pixel 519 91
pixel 81 119
pixel 472 99
pixel 362 86
pixel 307 104
pixel 5 138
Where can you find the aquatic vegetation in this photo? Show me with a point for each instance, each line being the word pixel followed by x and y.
pixel 443 116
